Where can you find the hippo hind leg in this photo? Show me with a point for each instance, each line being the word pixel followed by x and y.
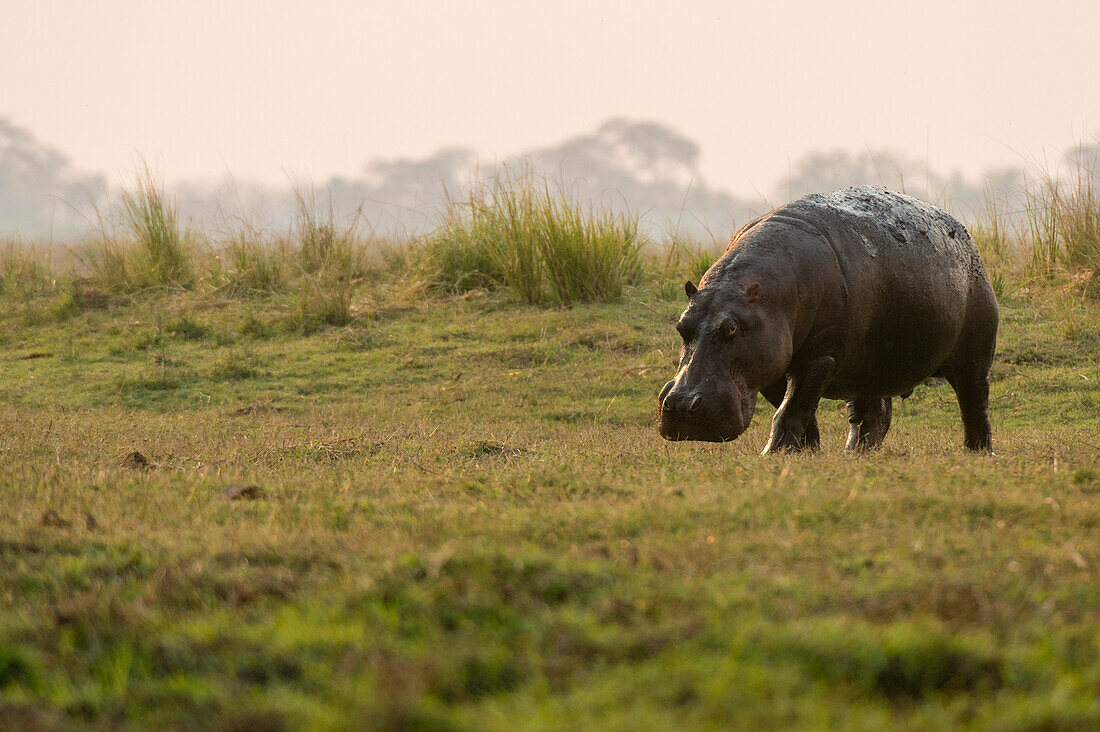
pixel 869 418
pixel 967 369
pixel 972 391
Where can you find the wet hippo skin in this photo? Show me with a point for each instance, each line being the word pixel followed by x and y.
pixel 857 295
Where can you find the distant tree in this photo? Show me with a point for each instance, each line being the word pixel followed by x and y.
pixel 650 168
pixel 40 193
pixel 1083 161
pixel 644 166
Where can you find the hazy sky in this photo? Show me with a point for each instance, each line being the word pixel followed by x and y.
pixel 318 88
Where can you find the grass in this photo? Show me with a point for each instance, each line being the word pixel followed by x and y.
pixel 590 254
pixel 687 259
pixel 292 488
pixel 326 246
pixel 1054 237
pixel 142 244
pixel 152 221
pixel 513 232
pixel 252 263
pixel 22 272
pixel 513 235
pixel 456 514
pixel 1043 215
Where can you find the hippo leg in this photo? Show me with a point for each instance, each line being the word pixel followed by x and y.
pixel 775 393
pixel 972 391
pixel 967 369
pixel 870 420
pixel 794 426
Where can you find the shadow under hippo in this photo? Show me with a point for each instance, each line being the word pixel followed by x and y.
pixel 858 295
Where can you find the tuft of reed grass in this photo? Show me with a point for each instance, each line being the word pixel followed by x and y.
pixel 108 261
pixel 164 253
pixel 508 221
pixel 22 273
pixel 325 244
pixel 143 244
pixel 320 302
pixel 988 231
pixel 1078 218
pixel 590 253
pixel 1041 217
pixel 1062 224
pixel 332 263
pixel 513 232
pixel 690 259
pixel 461 254
pixel 699 260
pixel 1078 208
pixel 251 263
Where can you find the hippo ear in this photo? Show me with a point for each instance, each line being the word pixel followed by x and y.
pixel 751 288
pixel 690 289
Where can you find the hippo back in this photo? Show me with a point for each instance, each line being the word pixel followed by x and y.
pixel 908 270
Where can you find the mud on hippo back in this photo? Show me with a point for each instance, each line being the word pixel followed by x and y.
pixel 857 295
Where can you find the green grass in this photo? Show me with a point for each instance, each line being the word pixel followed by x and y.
pixel 454 512
pixel 252 263
pixel 688 259
pixel 465 520
pixel 22 272
pixel 1054 238
pixel 141 244
pixel 539 245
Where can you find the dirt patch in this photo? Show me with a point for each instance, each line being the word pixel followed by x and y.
pixel 243 492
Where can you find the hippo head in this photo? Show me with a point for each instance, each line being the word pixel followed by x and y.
pixel 733 345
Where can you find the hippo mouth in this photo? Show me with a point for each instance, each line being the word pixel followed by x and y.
pixel 677 430
pixel 702 419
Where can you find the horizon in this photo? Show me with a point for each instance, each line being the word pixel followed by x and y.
pixel 272 90
pixel 638 167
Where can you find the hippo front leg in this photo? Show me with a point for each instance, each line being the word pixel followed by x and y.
pixel 794 426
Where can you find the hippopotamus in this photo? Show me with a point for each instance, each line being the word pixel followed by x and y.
pixel 858 295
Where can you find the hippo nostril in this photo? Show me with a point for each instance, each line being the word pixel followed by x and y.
pixel 694 403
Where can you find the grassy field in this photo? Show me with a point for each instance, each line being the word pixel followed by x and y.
pixel 454 512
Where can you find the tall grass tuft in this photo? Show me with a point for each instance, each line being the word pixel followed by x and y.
pixel 513 232
pixel 252 264
pixel 1077 204
pixel 687 258
pixel 988 231
pixel 699 259
pixel 141 244
pixel 464 252
pixel 22 274
pixel 1062 224
pixel 320 302
pixel 509 223
pixel 163 254
pixel 590 253
pixel 326 245
pixel 332 262
pixel 1041 217
pixel 108 261
pixel 990 234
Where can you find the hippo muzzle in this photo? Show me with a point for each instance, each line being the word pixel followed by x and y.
pixel 705 413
